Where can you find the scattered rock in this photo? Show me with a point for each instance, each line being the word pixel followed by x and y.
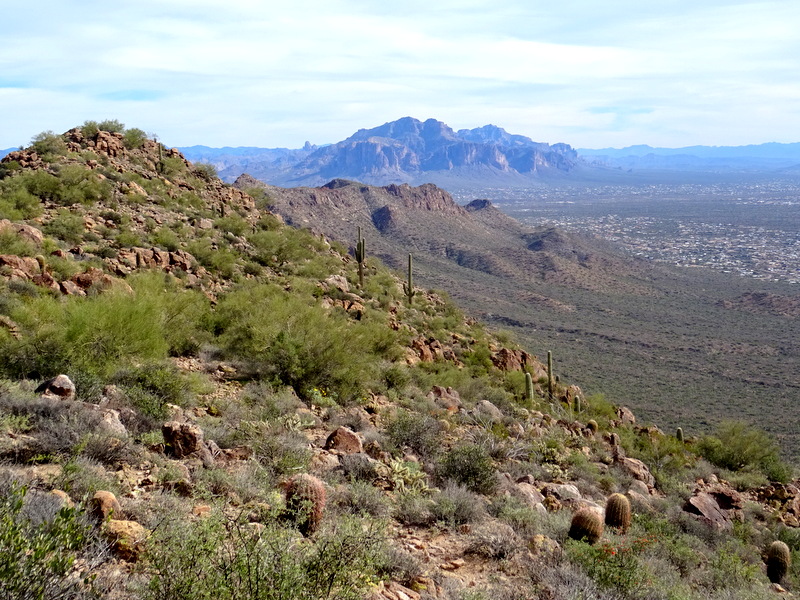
pixel 60 387
pixel 485 408
pixel 127 538
pixel 447 398
pixel 104 505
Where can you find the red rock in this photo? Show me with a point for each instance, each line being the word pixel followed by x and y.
pixel 345 441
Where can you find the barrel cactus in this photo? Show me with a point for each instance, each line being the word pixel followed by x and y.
pixel 618 512
pixel 586 525
pixel 305 502
pixel 779 558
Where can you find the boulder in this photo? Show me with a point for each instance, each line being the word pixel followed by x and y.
pixel 127 538
pixel 104 505
pixel 184 440
pixel 486 409
pixel 446 398
pixel 637 469
pixel 60 387
pixel 345 441
pixel 706 508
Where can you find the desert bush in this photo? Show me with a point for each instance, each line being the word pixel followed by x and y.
pixel 456 505
pixel 361 498
pixel 738 446
pixel 470 466
pixel 17 201
pixel 134 138
pixel 300 345
pixel 522 518
pixel 111 125
pixel 39 558
pixel 205 171
pixel 66 226
pixel 495 541
pixel 413 508
pixel 614 564
pixel 416 431
pixel 187 562
pixel 48 145
pixel 150 387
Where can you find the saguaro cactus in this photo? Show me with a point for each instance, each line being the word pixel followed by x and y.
pixel 361 254
pixel 528 386
pixel 408 287
pixel 679 434
pixel 618 512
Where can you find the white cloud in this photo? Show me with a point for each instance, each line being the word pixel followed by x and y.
pixel 245 72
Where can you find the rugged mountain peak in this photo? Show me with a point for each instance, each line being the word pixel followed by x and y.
pixel 413 151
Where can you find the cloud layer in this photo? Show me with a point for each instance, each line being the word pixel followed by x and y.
pixel 245 72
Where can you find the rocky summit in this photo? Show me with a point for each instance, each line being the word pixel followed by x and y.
pixel 201 401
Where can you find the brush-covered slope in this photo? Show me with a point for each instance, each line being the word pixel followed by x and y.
pixel 230 413
pixel 674 343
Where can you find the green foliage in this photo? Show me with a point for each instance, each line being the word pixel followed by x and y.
pixel 16 200
pixel 219 260
pixel 301 344
pixel 205 171
pixel 12 243
pixel 66 226
pixel 233 224
pixel 90 129
pixel 738 446
pixel 151 387
pixel 218 557
pixel 134 138
pixel 37 559
pixel 111 125
pixel 469 465
pixel 48 145
pixel 615 565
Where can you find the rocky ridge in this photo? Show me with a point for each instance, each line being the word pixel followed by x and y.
pixel 473 471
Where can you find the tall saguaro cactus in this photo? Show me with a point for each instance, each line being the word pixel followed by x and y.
pixel 550 381
pixel 528 387
pixel 361 254
pixel 408 287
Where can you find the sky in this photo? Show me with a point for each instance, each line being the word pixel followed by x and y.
pixel 591 74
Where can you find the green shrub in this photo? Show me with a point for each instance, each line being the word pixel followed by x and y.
pixel 66 226
pixel 16 200
pixel 48 145
pixel 470 466
pixel 301 344
pixel 111 125
pixel 38 559
pixel 738 446
pixel 221 558
pixel 134 138
pixel 151 387
pixel 456 505
pixel 205 171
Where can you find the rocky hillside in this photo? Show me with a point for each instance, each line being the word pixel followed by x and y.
pixel 198 401
pixel 405 151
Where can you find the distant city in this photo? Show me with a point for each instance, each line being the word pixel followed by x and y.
pixel 749 228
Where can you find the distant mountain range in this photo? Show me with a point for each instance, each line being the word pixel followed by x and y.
pixel 762 157
pixel 402 151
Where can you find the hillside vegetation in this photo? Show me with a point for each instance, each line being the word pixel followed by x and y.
pixel 199 401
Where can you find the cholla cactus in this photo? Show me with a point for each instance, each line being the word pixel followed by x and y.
pixel 305 502
pixel 618 512
pixel 586 525
pixel 778 559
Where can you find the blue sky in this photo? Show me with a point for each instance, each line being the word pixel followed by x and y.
pixel 275 74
